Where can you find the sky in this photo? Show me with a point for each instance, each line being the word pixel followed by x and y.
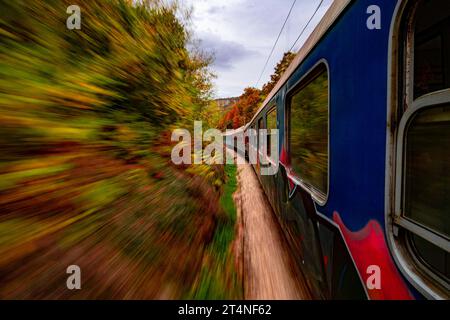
pixel 241 33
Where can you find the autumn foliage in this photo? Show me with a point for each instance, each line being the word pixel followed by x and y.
pixel 243 110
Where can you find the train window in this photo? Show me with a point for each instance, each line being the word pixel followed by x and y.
pixel 308 131
pixel 422 220
pixel 427 164
pixel 427 182
pixel 271 121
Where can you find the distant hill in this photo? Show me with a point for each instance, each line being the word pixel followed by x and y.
pixel 226 103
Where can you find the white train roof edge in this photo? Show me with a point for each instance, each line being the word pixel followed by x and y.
pixel 332 14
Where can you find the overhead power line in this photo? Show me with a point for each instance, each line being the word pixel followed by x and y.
pixel 307 24
pixel 276 42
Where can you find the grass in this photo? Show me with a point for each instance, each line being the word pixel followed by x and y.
pixel 226 200
pixel 219 279
pixel 224 234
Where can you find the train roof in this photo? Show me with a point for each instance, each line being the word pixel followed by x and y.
pixel 332 14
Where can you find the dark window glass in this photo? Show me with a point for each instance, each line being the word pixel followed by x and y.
pixel 432 47
pixel 428 67
pixel 309 131
pixel 433 257
pixel 427 169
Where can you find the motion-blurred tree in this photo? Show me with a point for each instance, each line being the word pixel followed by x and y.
pixel 85 170
pixel 279 70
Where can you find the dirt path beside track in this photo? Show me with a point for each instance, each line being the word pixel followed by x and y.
pixel 268 268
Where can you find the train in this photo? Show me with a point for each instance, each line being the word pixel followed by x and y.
pixel 362 190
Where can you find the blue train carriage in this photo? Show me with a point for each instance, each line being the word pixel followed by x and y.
pixel 363 186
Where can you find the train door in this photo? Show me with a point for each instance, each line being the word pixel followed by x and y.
pixel 261 126
pixel 418 220
pixel 306 130
pixel 272 155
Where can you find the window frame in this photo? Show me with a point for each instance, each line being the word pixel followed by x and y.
pixel 313 73
pixel 402 109
pixel 428 101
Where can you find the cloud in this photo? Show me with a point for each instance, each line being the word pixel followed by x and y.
pixel 241 33
pixel 216 9
pixel 226 53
